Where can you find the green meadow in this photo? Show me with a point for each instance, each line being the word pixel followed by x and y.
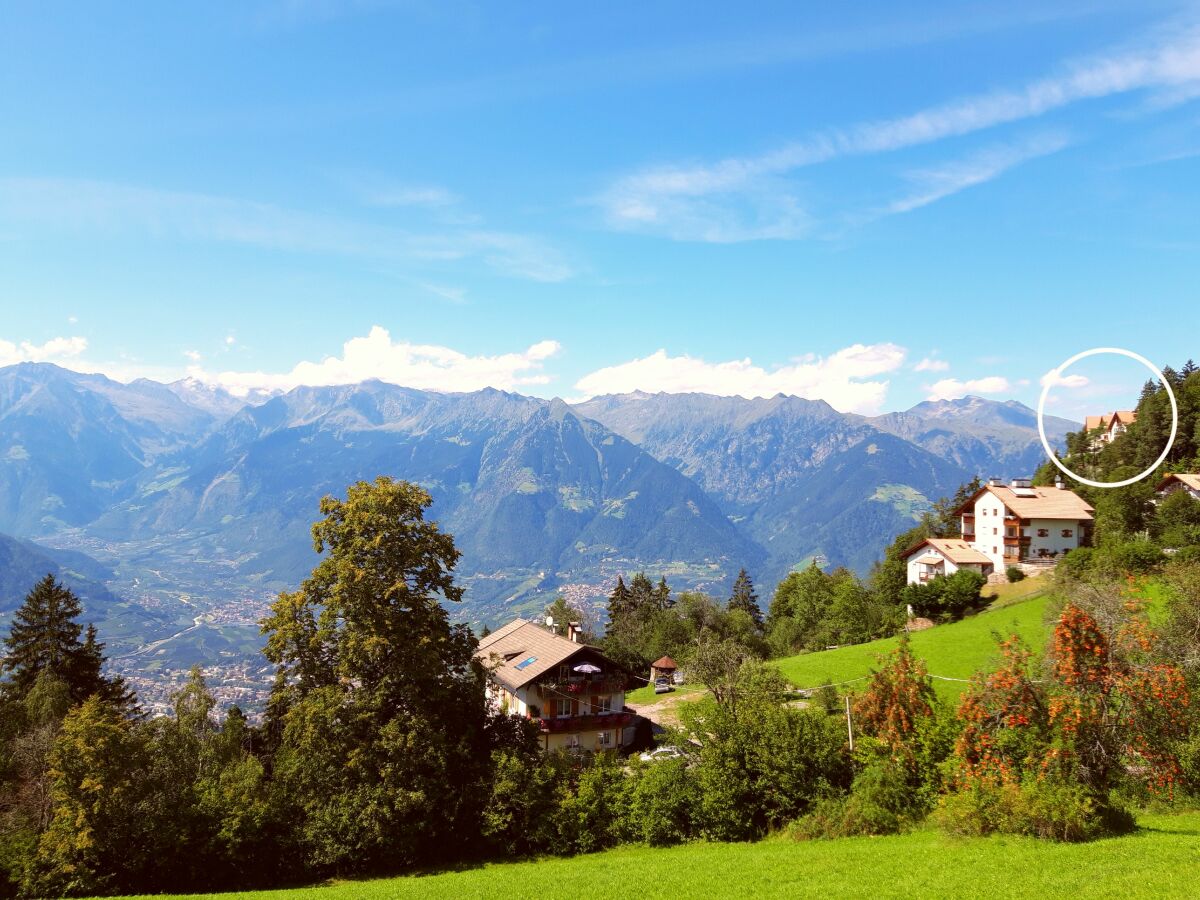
pixel 954 651
pixel 1160 859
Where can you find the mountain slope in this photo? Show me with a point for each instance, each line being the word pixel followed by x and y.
pixel 983 436
pixel 535 495
pixel 799 477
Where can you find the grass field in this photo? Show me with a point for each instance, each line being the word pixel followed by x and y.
pixel 644 695
pixel 1161 859
pixel 954 651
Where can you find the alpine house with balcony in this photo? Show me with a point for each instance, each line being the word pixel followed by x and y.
pixel 1019 524
pixel 572 690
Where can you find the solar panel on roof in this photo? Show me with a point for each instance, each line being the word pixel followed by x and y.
pixel 1024 492
pixel 525 662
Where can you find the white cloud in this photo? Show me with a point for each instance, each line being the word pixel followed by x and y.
pixel 425 366
pixel 958 175
pixel 426 196
pixel 838 379
pixel 1056 379
pixel 96 206
pixel 693 201
pixel 56 350
pixel 929 364
pixel 193 355
pixel 230 340
pixel 953 389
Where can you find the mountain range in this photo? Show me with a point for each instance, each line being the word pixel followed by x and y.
pixel 197 505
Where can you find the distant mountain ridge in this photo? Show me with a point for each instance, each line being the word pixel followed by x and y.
pixel 201 503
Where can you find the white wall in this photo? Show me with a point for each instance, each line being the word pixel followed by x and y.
pixel 914 567
pixel 989 528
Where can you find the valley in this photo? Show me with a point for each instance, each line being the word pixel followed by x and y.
pixel 193 507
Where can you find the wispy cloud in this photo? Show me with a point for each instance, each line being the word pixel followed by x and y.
pixel 934 184
pixel 929 364
pixel 841 379
pixel 953 389
pixel 56 350
pixel 106 207
pixel 376 355
pixel 1054 378
pixel 691 201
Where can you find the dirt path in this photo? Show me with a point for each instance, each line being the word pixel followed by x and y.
pixel 663 711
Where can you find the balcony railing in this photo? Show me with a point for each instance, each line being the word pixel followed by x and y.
pixel 602 684
pixel 568 724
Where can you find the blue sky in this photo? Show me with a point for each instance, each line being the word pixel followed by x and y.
pixel 868 205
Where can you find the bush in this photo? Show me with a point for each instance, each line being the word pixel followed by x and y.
pixel 1039 807
pixel 1077 564
pixel 947 597
pixel 662 804
pixel 881 801
pixel 1013 574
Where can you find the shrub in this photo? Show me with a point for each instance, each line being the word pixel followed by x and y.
pixel 1013 574
pixel 662 804
pixel 881 801
pixel 946 597
pixel 1077 564
pixel 1045 808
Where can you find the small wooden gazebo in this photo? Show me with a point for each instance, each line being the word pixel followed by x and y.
pixel 663 666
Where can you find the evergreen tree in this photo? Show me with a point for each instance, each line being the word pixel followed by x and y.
pixel 44 639
pixel 662 595
pixel 620 605
pixel 745 599
pixel 641 593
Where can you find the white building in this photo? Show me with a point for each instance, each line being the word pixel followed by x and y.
pixel 1180 481
pixel 1016 523
pixel 943 556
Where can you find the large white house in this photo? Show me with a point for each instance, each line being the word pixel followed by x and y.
pixel 1017 522
pixel 943 556
pixel 572 690
pixel 1180 481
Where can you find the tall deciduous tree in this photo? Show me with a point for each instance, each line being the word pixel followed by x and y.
pixel 384 740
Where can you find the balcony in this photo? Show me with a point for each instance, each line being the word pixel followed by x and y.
pixel 600 684
pixel 568 724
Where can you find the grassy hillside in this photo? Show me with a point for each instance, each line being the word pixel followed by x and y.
pixel 954 651
pixel 1159 860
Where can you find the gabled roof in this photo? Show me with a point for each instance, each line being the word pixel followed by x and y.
pixel 522 651
pixel 1125 416
pixel 1189 479
pixel 1046 502
pixel 956 550
pixel 1093 422
pixel 664 662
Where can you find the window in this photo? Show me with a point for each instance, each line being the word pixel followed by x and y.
pixel 1067 532
pixel 1043 532
pixel 994 550
pixel 603 705
pixel 605 738
pixel 1011 532
pixel 562 708
pixel 995 531
pixel 564 672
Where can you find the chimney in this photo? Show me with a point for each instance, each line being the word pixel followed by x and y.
pixel 996 482
pixel 1058 483
pixel 574 630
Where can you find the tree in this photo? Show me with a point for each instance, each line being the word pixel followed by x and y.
pixel 44 639
pixel 745 599
pixel 384 739
pixel 620 606
pixel 91 772
pixel 898 697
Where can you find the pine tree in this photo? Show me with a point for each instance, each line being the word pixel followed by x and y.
pixel 745 599
pixel 620 605
pixel 44 636
pixel 641 592
pixel 44 639
pixel 662 595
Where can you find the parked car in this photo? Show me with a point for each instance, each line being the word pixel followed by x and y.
pixel 661 753
pixel 677 678
pixel 662 685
